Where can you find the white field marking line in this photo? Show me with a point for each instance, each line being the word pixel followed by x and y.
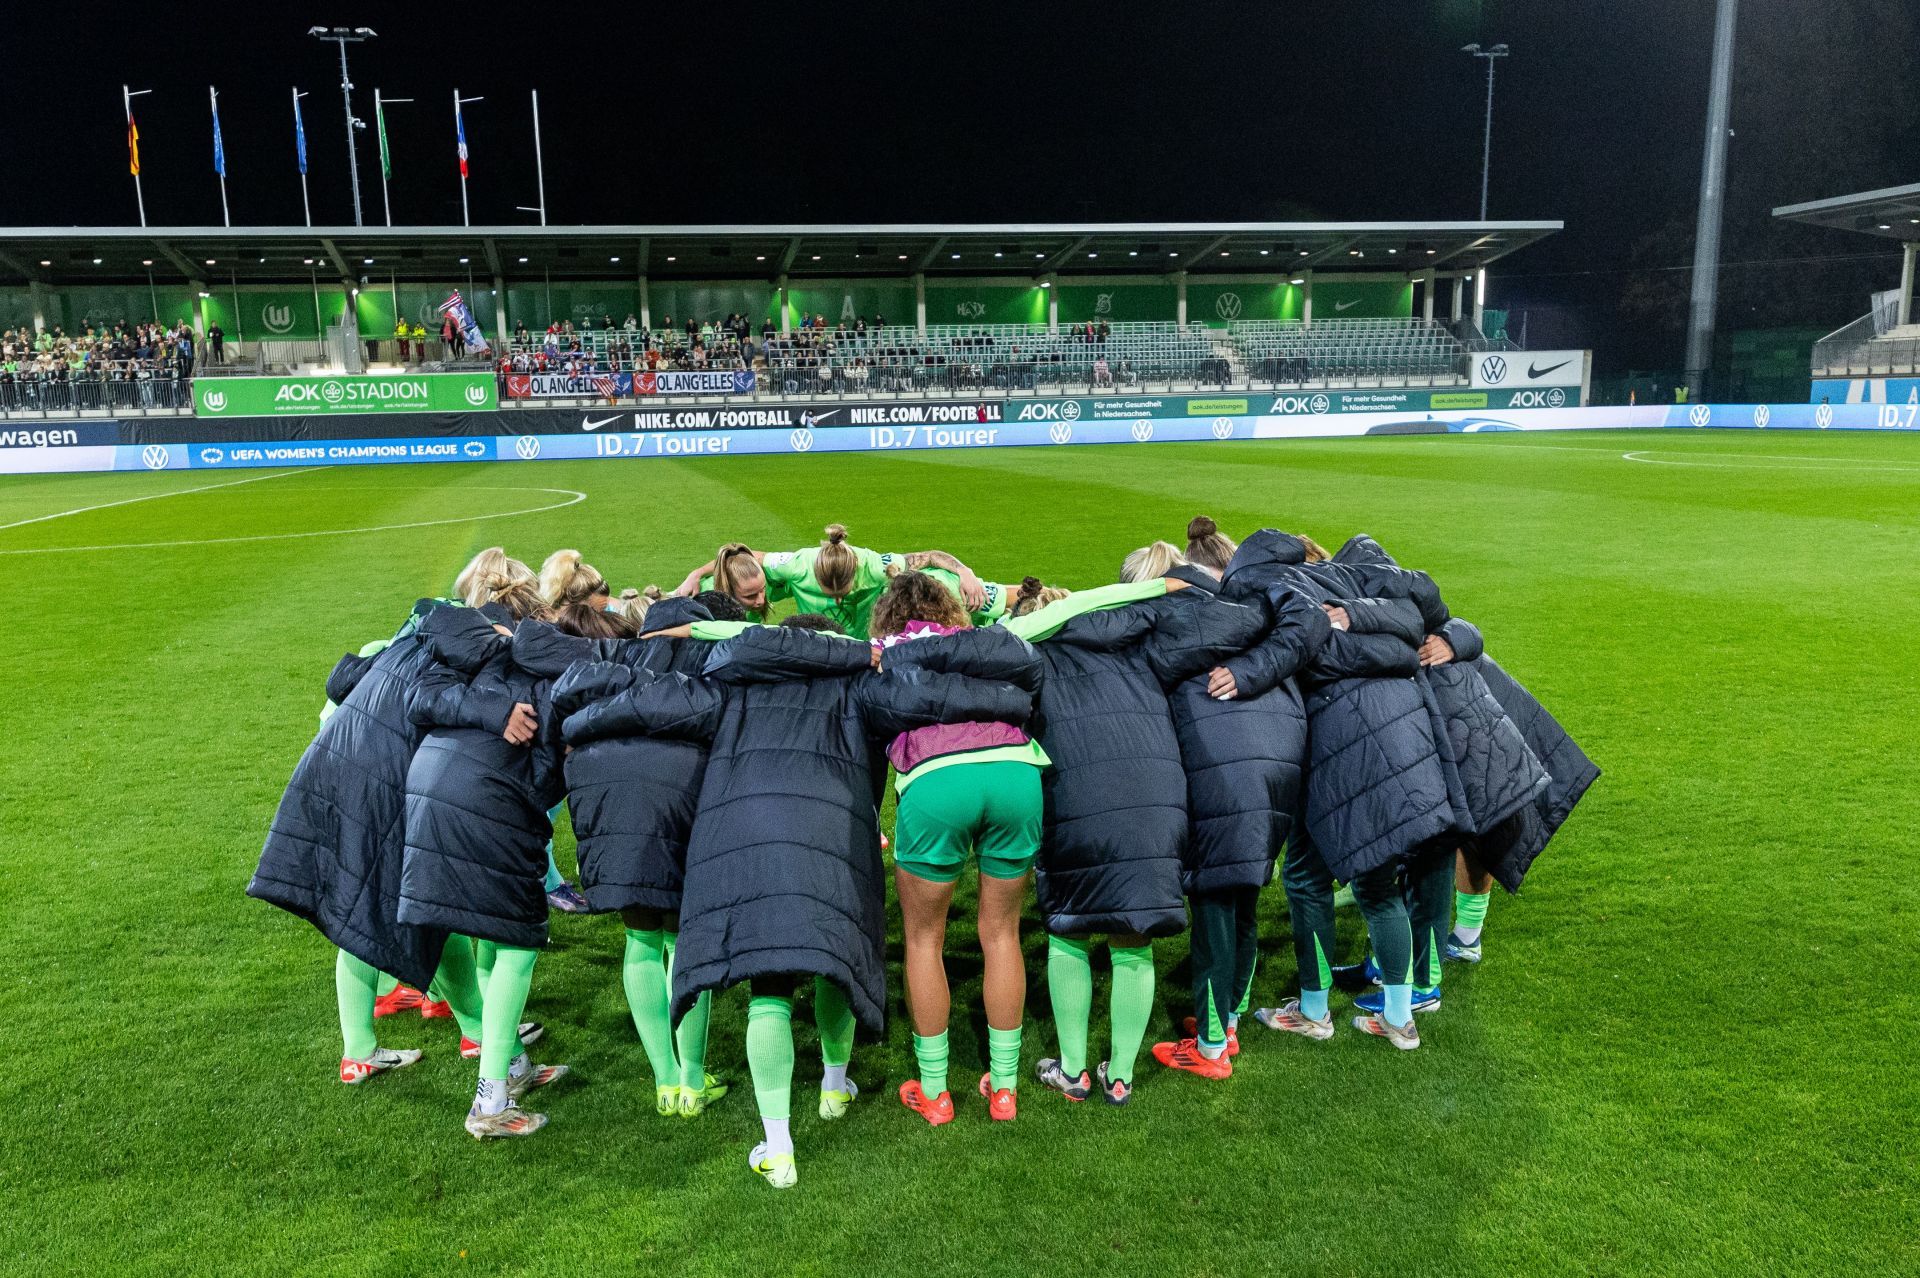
pixel 573 499
pixel 1841 463
pixel 178 492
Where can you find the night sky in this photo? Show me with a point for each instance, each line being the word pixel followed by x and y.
pixel 705 113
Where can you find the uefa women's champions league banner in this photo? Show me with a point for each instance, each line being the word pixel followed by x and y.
pixel 547 435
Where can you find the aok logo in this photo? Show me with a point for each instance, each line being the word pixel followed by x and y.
pixel 1493 370
pixel 1051 411
pixel 526 447
pixel 276 319
pixel 1301 404
pixel 1142 431
pixel 476 395
pixel 214 401
pixel 331 391
pixel 1227 306
pixel 801 440
pixel 1060 433
pixel 1554 398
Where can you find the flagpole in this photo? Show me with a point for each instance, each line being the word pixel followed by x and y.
pixel 460 128
pixel 220 151
pixel 127 95
pixel 301 135
pixel 539 166
pixel 380 126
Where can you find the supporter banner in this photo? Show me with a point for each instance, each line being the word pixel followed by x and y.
pixel 559 385
pixel 553 435
pixel 1493 369
pixel 717 382
pixel 353 393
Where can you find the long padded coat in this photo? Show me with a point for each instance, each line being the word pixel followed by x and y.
pixel 1377 788
pixel 477 826
pixel 333 853
pixel 634 772
pixel 1508 764
pixel 1244 757
pixel 1116 796
pixel 783 867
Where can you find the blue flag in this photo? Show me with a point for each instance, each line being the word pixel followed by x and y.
pixel 299 135
pixel 219 150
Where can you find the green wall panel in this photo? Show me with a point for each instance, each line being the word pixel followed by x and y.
pixel 1120 302
pixel 957 302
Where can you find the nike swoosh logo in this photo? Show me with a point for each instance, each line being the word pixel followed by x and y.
pixel 593 425
pixel 819 418
pixel 1532 371
pixel 1346 306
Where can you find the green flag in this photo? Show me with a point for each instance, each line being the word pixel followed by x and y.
pixel 380 123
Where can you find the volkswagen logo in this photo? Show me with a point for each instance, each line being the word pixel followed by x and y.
pixel 214 401
pixel 1142 431
pixel 1060 433
pixel 1556 398
pixel 332 391
pixel 1762 415
pixel 474 448
pixel 1823 416
pixel 1222 427
pixel 1227 306
pixel 1700 414
pixel 1071 410
pixel 802 440
pixel 1319 403
pixel 154 457
pixel 1493 370
pixel 527 446
pixel 476 395
pixel 212 456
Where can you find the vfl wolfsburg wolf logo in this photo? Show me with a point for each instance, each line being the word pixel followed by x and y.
pixel 276 319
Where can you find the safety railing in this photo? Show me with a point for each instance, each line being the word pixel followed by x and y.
pixel 35 396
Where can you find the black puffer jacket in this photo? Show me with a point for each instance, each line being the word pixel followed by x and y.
pixel 1503 781
pixel 1376 785
pixel 333 853
pixel 1511 852
pixel 783 868
pixel 633 774
pixel 477 826
pixel 1244 757
pixel 1116 795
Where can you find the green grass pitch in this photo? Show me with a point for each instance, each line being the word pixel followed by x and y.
pixel 1690 1049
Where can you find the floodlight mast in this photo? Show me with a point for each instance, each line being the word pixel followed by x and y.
pixel 1486 143
pixel 344 36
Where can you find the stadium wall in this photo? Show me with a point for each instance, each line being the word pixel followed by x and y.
pixel 551 434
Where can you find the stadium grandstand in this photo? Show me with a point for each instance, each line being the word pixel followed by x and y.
pixel 1878 354
pixel 120 320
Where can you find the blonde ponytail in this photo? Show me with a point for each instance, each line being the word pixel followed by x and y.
pixel 1151 561
pixel 836 566
pixel 566 579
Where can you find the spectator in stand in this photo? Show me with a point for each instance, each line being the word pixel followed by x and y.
pixel 520 334
pixel 217 340
pixel 447 332
pixel 879 320
pixel 184 351
pixel 633 323
pixel 402 338
pixel 1102 375
pixel 419 342
pixel 766 331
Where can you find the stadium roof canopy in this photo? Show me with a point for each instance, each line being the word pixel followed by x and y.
pixel 62 256
pixel 1891 213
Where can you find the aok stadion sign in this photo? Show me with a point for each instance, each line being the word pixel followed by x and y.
pixel 311 396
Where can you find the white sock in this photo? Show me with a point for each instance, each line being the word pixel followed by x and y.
pixel 1211 1052
pixel 518 1067
pixel 1233 1020
pixel 1467 935
pixel 491 1096
pixel 779 1139
pixel 833 1078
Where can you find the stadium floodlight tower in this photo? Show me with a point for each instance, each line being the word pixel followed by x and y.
pixel 1486 143
pixel 344 36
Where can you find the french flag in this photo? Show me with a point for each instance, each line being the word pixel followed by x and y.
pixel 460 128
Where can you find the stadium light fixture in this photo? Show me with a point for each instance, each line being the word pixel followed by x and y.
pixel 613 259
pixel 263 261
pixel 48 262
pixel 344 36
pixel 306 262
pixel 1225 253
pixel 760 257
pixel 1430 252
pixel 996 253
pixel 1038 256
pixel 463 261
pixel 1133 252
pixel 903 257
pixel 210 262
pixel 816 257
pixel 1886 226
pixel 1393 250
pixel 1263 252
pixel 1297 280
pixel 366 261
pixel 1173 255
pixel 96 261
pixel 956 257
pixel 523 260
pixel 204 293
pixel 1093 255
pixel 1303 253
